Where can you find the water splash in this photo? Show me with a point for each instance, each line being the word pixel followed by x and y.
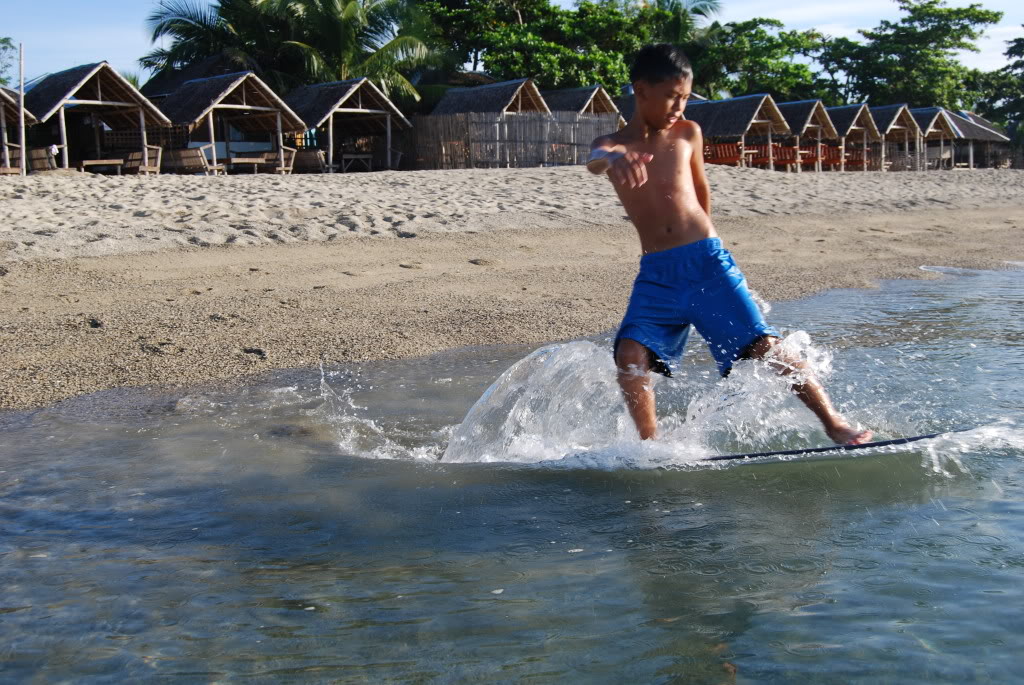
pixel 562 404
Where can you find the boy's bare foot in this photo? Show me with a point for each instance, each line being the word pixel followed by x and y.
pixel 845 434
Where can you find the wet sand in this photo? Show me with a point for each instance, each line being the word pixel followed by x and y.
pixel 188 317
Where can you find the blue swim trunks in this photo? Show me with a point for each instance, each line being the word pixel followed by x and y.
pixel 696 284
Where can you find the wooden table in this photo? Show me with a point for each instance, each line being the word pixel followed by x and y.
pixel 347 160
pixel 116 163
pixel 255 161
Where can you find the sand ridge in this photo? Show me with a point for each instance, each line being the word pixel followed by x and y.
pixel 68 214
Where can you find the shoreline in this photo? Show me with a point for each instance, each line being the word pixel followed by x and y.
pixel 180 318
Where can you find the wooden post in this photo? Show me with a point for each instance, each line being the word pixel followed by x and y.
pixel 3 135
pixel 330 144
pixel 21 110
pixel 771 150
pixel 799 165
pixel 142 135
pixel 881 158
pixel 213 138
pixel 96 136
pixel 743 150
pixel 942 151
pixel 280 142
pixel 864 138
pixel 817 152
pixel 388 142
pixel 842 154
pixel 970 154
pixel 63 137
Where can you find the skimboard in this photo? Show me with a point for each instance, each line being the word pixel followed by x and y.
pixel 832 449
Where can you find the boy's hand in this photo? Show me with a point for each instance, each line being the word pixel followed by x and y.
pixel 630 169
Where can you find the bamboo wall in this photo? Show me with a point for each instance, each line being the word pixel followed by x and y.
pixel 487 140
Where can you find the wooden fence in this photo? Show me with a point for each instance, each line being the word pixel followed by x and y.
pixel 487 140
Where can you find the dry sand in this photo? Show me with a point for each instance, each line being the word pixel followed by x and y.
pixel 108 282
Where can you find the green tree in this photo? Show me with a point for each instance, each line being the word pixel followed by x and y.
pixel 754 56
pixel 7 51
pixel 1003 99
pixel 566 48
pixel 291 42
pixel 912 60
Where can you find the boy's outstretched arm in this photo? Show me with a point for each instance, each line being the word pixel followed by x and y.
pixel 623 167
pixel 700 179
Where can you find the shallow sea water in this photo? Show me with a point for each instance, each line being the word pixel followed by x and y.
pixel 339 525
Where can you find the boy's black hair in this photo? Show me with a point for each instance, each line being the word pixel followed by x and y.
pixel 657 63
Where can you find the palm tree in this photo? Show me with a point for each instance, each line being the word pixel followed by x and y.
pixel 684 16
pixel 341 39
pixel 291 42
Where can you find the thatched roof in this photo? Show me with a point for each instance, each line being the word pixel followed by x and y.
pixel 9 101
pixel 505 97
pixel 589 99
pixel 732 118
pixel 163 84
pixel 891 118
pixel 935 122
pixel 314 104
pixel 979 120
pixel 850 118
pixel 969 130
pixel 98 81
pixel 808 115
pixel 193 100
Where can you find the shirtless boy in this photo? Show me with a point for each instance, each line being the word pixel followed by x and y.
pixel 656 165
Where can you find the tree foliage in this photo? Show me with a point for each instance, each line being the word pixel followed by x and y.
pixel 7 51
pixel 291 42
pixel 912 60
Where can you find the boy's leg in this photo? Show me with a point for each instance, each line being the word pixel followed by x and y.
pixel 809 390
pixel 634 362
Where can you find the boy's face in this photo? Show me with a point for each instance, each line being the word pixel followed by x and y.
pixel 662 104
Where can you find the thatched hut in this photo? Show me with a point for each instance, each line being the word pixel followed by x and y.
pixel 973 128
pixel 10 118
pixel 853 122
pixel 738 119
pixel 586 100
pixel 935 124
pixel 498 124
pixel 361 108
pixel 627 102
pixel 808 118
pixel 106 97
pixel 240 101
pixel 892 120
pixel 506 97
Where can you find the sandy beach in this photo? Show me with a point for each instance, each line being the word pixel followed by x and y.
pixel 170 281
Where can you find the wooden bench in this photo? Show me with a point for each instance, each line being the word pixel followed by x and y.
pixel 723 153
pixel 310 161
pixel 760 155
pixel 272 161
pixel 86 163
pixel 855 158
pixel 134 162
pixel 190 161
pixel 787 156
pixel 832 156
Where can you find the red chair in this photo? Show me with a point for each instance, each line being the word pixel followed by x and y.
pixel 723 153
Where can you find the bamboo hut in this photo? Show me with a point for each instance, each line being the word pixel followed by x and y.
pixel 9 119
pixel 240 101
pixel 891 120
pixel 976 129
pixel 738 119
pixel 808 118
pixel 499 124
pixel 506 97
pixel 627 102
pixel 586 100
pixel 106 97
pixel 357 105
pixel 853 122
pixel 935 124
